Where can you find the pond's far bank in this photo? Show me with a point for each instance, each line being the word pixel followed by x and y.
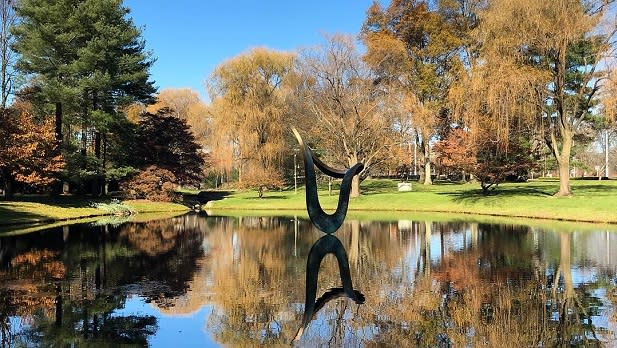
pixel 593 201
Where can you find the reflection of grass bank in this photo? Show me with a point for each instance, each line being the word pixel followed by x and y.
pixel 36 210
pixel 396 216
pixel 594 201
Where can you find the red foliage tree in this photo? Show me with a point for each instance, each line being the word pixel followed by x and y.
pixel 491 161
pixel 153 183
pixel 457 151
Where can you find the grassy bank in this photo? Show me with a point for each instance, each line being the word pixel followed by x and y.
pixel 593 201
pixel 32 210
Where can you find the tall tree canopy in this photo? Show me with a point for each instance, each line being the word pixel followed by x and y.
pixel 87 59
pixel 413 46
pixel 539 62
pixel 249 110
pixel 343 110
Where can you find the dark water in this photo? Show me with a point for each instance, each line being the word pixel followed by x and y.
pixel 210 281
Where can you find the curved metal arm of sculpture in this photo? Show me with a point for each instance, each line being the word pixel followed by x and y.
pixel 325 245
pixel 328 223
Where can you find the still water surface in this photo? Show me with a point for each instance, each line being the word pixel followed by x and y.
pixel 212 281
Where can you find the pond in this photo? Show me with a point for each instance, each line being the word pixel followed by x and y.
pixel 242 281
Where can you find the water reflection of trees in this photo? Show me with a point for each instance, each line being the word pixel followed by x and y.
pixel 255 279
pixel 494 290
pixel 426 283
pixel 66 285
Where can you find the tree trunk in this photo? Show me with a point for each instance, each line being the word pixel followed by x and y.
pixel 427 163
pixel 427 174
pixel 97 144
pixel 355 182
pixel 8 187
pixel 564 166
pixel 564 178
pixel 564 122
pixel 97 183
pixel 355 186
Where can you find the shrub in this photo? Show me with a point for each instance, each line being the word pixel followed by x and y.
pixel 153 183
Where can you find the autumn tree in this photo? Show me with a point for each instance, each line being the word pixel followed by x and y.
pixel 413 47
pixel 498 162
pixel 457 151
pixel 153 183
pixel 28 149
pixel 249 114
pixel 553 51
pixel 185 104
pixel 346 115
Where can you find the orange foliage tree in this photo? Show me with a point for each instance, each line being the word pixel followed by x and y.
pixel 456 152
pixel 184 104
pixel 29 152
pixel 153 183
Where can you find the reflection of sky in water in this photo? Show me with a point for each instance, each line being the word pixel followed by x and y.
pixel 266 259
pixel 320 331
pixel 173 330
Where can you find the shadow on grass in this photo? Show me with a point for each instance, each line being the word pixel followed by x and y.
pixel 595 188
pixel 266 197
pixel 475 195
pixel 377 186
pixel 10 216
pixel 204 197
pixel 63 201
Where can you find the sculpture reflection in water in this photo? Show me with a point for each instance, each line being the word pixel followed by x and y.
pixel 328 244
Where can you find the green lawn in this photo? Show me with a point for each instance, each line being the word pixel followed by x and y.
pixel 39 209
pixel 593 201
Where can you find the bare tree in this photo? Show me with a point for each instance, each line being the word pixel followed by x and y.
pixel 349 114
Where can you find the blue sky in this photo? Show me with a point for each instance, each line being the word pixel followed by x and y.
pixel 190 38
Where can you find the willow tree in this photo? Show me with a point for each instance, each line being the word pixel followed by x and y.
pixel 248 97
pixel 413 46
pixel 553 51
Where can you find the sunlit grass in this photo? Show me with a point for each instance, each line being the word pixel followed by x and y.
pixel 39 209
pixel 593 201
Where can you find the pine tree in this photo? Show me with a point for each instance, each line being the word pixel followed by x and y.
pixel 88 58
